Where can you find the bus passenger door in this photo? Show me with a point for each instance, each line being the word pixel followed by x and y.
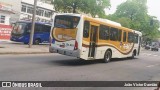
pixel 124 41
pixel 93 40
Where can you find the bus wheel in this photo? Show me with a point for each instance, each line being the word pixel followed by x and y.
pixel 26 43
pixel 37 41
pixel 133 54
pixel 107 56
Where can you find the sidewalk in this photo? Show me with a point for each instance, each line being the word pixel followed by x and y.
pixel 9 47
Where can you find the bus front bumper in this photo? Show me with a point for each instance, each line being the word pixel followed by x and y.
pixel 74 53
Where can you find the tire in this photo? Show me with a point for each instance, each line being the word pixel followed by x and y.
pixel 107 56
pixel 133 55
pixel 26 43
pixel 37 41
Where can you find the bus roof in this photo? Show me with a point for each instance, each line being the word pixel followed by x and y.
pixel 138 32
pixel 109 21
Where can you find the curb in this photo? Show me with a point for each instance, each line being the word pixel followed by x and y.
pixel 16 53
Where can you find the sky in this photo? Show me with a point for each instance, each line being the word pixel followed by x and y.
pixel 153 7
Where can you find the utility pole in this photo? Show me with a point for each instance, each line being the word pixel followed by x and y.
pixel 33 25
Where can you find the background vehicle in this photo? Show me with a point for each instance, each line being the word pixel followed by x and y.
pixel 21 32
pixel 155 46
pixel 92 38
pixel 147 47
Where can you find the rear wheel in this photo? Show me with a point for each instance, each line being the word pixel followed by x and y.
pixel 107 56
pixel 25 42
pixel 37 41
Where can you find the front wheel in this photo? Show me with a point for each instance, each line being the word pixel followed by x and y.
pixel 107 56
pixel 37 41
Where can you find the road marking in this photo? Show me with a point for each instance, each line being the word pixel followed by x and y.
pixel 150 54
pixel 155 55
pixel 149 66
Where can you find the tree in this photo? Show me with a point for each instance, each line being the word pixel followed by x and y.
pixel 93 7
pixel 134 14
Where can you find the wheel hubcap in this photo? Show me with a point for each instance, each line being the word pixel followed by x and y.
pixel 108 56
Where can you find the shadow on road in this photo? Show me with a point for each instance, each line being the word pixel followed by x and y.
pixel 122 59
pixel 80 62
pixel 75 62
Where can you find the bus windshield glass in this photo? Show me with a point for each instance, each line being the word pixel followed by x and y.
pixel 19 28
pixel 63 21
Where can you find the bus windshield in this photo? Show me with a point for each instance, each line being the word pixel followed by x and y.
pixel 63 21
pixel 19 28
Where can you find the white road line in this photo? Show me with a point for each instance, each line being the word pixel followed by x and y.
pixel 155 55
pixel 149 66
pixel 144 53
pixel 149 54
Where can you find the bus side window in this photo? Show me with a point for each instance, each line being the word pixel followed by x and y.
pixel 113 34
pixel 46 28
pixel 86 29
pixel 28 28
pixel 104 32
pixel 38 27
pixel 130 37
pixel 136 38
pixel 119 35
pixel 124 37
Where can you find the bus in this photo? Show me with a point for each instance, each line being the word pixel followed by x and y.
pixel 21 32
pixel 90 38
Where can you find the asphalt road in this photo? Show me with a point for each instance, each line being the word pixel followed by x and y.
pixel 55 67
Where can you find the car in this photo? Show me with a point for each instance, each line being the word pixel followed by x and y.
pixel 147 47
pixel 154 48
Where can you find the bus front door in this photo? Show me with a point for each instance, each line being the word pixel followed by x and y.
pixel 93 40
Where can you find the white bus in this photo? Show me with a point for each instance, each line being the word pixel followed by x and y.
pixel 92 38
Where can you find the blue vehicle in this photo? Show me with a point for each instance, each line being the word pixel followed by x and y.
pixel 21 32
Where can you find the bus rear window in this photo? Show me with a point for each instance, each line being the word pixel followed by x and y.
pixel 63 21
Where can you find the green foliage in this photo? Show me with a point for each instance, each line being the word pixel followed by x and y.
pixel 93 7
pixel 134 14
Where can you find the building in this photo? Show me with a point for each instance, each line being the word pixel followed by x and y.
pixel 5 15
pixel 44 11
pixel 15 10
pixel 23 10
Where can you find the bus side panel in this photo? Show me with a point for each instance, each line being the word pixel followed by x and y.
pixel 43 36
pixel 115 53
